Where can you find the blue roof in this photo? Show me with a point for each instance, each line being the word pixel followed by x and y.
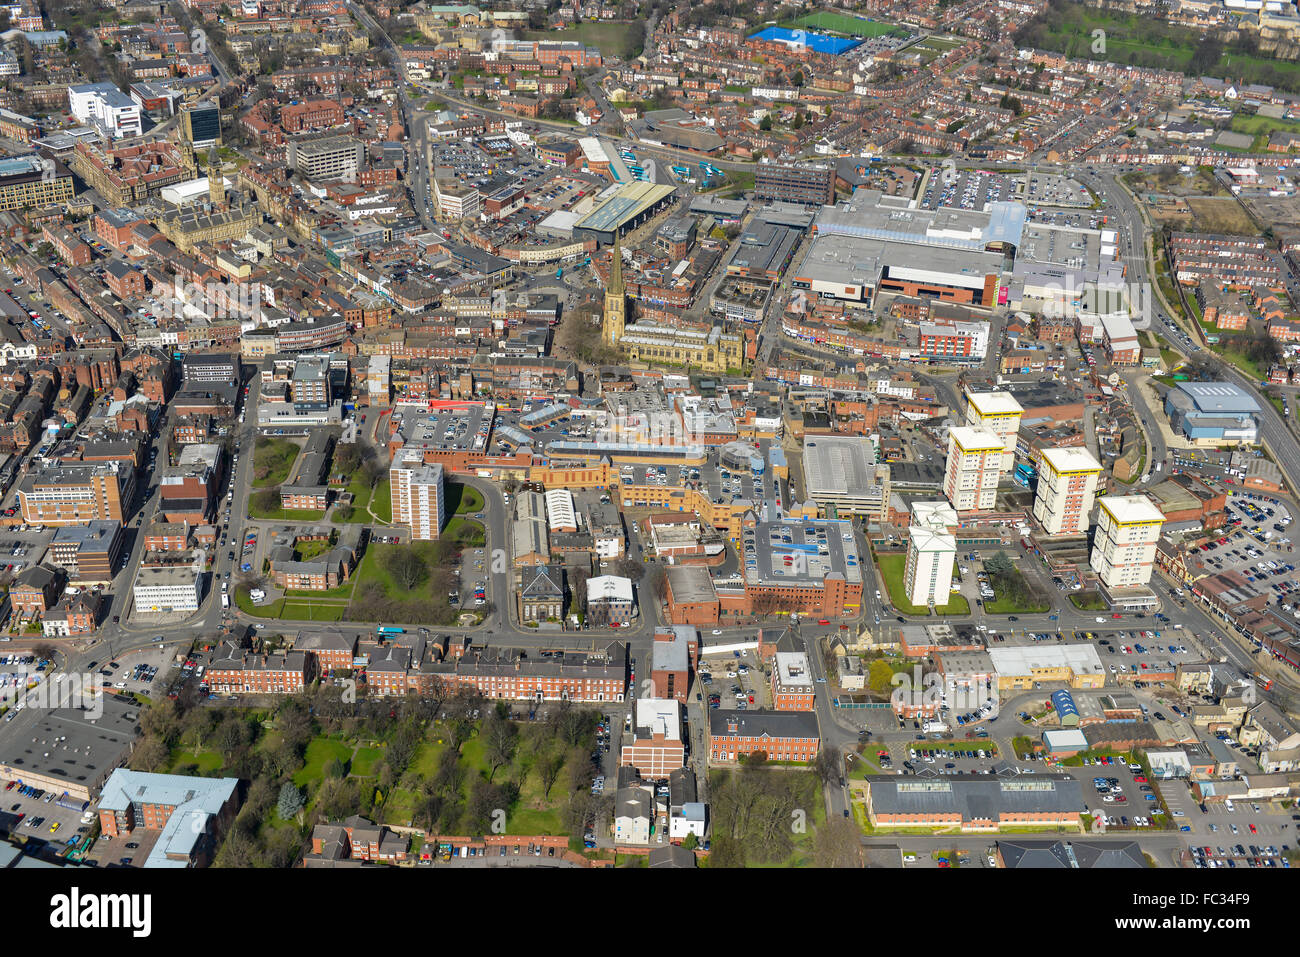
pixel 1219 397
pixel 817 42
pixel 1063 702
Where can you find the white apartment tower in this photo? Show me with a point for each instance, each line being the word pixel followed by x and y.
pixel 975 466
pixel 417 494
pixel 998 412
pixel 1124 546
pixel 1067 487
pixel 928 574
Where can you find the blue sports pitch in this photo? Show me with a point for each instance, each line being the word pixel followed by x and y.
pixel 817 42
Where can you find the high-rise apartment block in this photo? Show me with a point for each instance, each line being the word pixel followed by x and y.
pixel 1124 546
pixel 975 464
pixel 417 493
pixel 998 412
pixel 1067 487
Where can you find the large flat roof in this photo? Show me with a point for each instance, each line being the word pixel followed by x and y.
pixel 1223 397
pixel 626 204
pixel 976 440
pixel 1131 509
pixel 1081 659
pixel 800 554
pixel 1069 460
pixel 994 403
pixel 976 797
pixel 840 465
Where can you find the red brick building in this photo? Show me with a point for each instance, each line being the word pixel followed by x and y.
pixel 792 682
pixel 241 672
pixel 654 746
pixel 781 735
pixel 135 799
pixel 311 115
pixel 332 652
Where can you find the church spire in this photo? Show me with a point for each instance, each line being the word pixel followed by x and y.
pixel 615 298
pixel 615 287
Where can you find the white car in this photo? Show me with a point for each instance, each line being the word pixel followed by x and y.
pixel 717 631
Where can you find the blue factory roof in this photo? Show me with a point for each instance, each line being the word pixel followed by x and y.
pixel 1219 397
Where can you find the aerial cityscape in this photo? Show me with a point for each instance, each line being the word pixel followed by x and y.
pixel 579 435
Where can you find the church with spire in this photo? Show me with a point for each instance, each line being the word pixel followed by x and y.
pixel 710 350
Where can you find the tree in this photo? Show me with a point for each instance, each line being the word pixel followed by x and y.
pixel 765 124
pixel 630 568
pixel 291 801
pixel 838 843
pixel 578 588
pixel 500 738
pixel 334 768
pixel 726 852
pixel 549 767
pixel 880 678
pixel 827 765
pixel 44 650
pixel 151 754
pixel 267 500
pixel 406 567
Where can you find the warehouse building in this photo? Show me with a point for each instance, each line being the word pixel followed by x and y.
pixel 973 802
pixel 621 209
pixel 1213 413
pixel 874 243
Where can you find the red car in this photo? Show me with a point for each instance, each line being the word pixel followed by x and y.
pixel 1252 829
pixel 823 621
pixel 1117 615
pixel 1140 778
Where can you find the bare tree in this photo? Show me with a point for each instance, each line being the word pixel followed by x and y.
pixel 406 567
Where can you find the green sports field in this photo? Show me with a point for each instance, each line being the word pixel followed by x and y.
pixel 847 25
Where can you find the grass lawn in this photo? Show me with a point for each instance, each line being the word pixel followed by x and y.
pixel 467 531
pixel 1240 360
pixel 311 611
pixel 361 493
pixel 366 760
pixel 1257 125
pixel 245 604
pixel 426 757
pixel 1089 601
pixel 206 760
pixel 278 514
pixel 848 25
pixel 298 608
pixel 1009 606
pixel 462 499
pixel 622 40
pixel 892 568
pixel 319 752
pixel 306 551
pixel 381 502
pixel 274 455
pixel 372 569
